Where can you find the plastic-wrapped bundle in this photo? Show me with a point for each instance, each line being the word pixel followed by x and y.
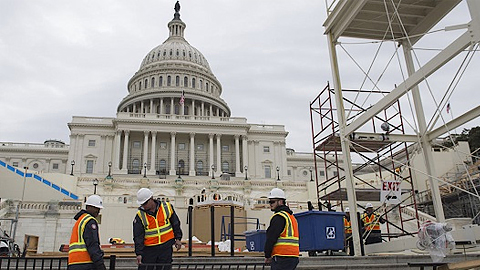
pixel 437 239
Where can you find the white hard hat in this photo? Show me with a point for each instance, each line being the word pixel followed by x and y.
pixel 276 193
pixel 143 195
pixel 95 201
pixel 368 205
pixel 347 210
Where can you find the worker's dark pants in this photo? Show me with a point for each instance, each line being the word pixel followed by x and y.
pixel 349 244
pixel 283 263
pixel 374 237
pixel 160 255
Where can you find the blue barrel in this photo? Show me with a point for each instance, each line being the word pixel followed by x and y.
pixel 320 230
pixel 255 240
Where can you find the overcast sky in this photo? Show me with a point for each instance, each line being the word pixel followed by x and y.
pixel 63 58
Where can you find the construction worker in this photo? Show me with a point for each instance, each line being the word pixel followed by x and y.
pixel 348 232
pixel 281 244
pixel 371 225
pixel 156 229
pixel 84 250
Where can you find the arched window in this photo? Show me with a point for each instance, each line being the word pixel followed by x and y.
pixel 225 167
pixel 160 83
pixel 153 82
pixel 177 81
pixel 193 83
pixel 146 83
pixel 169 80
pixel 185 81
pixel 201 84
pixel 140 86
pixel 206 86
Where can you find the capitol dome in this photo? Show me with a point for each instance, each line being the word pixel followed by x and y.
pixel 175 78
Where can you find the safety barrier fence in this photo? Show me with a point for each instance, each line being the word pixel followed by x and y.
pixel 60 263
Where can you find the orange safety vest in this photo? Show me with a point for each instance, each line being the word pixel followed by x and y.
pixel 287 243
pixel 371 222
pixel 77 250
pixel 348 225
pixel 158 229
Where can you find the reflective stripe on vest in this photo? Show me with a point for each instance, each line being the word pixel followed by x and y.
pixel 348 225
pixel 287 243
pixel 158 230
pixel 77 250
pixel 371 222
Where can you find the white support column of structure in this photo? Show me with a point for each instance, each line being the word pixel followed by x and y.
pixel 145 150
pixel 116 160
pixel 134 110
pixel 71 154
pixel 151 105
pixel 173 171
pixel 257 166
pixel 192 155
pixel 244 153
pixel 203 109
pixel 153 169
pixel 142 106
pixel 218 168
pixel 192 111
pixel 238 173
pixel 161 106
pixel 79 154
pixel 172 106
pixel 103 168
pixel 426 146
pixel 125 151
pixel 349 180
pixel 210 113
pixel 210 153
pixel 182 109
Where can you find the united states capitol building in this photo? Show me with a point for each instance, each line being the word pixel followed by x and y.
pixel 174 134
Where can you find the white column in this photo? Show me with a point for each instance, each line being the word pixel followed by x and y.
pixel 142 106
pixel 153 170
pixel 244 153
pixel 193 108
pixel 173 171
pixel 172 108
pixel 218 112
pixel 125 151
pixel 238 173
pixel 145 150
pixel 151 105
pixel 257 166
pixel 71 153
pixel 134 108
pixel 210 153
pixel 116 160
pixel 161 106
pixel 210 113
pixel 79 155
pixel 192 155
pixel 218 168
pixel 203 109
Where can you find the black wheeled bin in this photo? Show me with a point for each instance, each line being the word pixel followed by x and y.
pixel 319 230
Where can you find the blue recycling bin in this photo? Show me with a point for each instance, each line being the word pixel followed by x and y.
pixel 255 240
pixel 319 230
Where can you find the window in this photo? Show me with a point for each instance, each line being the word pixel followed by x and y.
pixel 200 147
pixel 146 83
pixel 169 80
pixel 335 173
pixel 199 167
pixel 266 149
pixel 201 84
pixel 177 81
pixel 167 108
pixel 193 82
pixel 163 145
pixel 225 148
pixel 177 109
pixel 305 173
pixel 55 166
pixel 89 166
pixel 185 81
pixel 206 86
pixel 181 146
pixel 91 143
pixel 15 164
pixel 225 167
pixel 137 144
pixel 136 165
pixel 160 83
pixel 322 173
pixel 153 82
pixel 289 172
pixel 163 166
pixel 186 110
pixel 140 86
pixel 35 165
pixel 268 171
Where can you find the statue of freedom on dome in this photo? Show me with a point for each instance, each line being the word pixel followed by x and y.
pixel 177 7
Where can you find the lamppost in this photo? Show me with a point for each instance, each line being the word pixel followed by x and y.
pixel 213 171
pixel 311 174
pixel 246 169
pixel 109 170
pixel 73 164
pixel 145 170
pixel 95 183
pixel 278 173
